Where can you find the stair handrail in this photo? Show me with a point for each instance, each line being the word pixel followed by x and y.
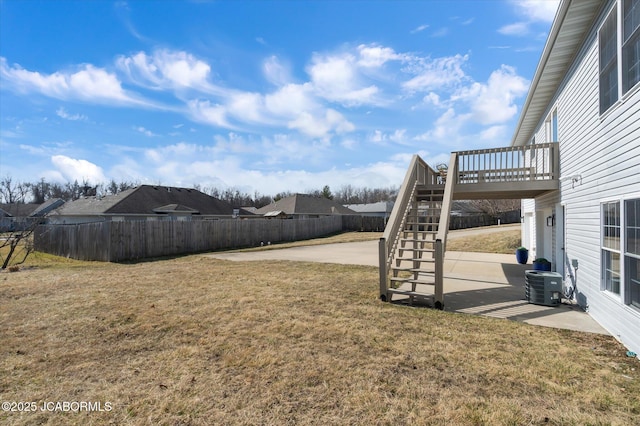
pixel 443 229
pixel 417 173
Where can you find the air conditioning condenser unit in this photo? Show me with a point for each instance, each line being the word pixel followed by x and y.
pixel 543 288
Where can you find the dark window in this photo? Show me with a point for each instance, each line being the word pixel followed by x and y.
pixel 632 251
pixel 608 46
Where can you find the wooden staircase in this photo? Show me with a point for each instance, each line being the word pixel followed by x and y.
pixel 411 250
pixel 412 247
pixel 413 268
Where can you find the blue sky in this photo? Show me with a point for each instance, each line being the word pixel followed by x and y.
pixel 264 96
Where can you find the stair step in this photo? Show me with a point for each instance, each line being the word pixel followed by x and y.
pixel 416 240
pixel 411 269
pixel 412 281
pixel 419 250
pixel 412 294
pixel 422 223
pixel 413 259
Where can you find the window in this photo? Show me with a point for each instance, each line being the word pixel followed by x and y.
pixel 551 127
pixel 608 49
pixel 623 55
pixel 632 251
pixel 630 44
pixel 611 247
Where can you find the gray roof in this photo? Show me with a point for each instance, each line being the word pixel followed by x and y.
pixel 306 204
pixel 26 210
pixel 571 25
pixel 48 206
pixel 19 209
pixel 149 200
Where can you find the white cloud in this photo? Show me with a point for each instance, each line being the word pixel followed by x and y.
pixel 336 79
pixel 515 29
pixel 276 72
pixel 532 11
pixel 89 83
pixel 376 56
pixel 318 126
pixel 166 69
pixel 144 131
pixel 445 130
pixel 419 28
pixel 432 98
pixel 537 10
pixel 494 102
pixel 205 112
pixel 289 100
pixel 436 74
pixel 398 136
pixel 494 134
pixel 247 107
pixel 78 170
pixel 62 113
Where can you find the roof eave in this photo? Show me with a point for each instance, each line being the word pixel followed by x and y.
pixel 544 86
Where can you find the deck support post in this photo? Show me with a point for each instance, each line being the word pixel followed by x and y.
pixel 382 260
pixel 439 275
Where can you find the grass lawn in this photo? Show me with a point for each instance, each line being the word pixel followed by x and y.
pixel 200 341
pixel 501 241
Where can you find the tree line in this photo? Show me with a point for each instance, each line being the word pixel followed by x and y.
pixel 12 191
pixel 41 191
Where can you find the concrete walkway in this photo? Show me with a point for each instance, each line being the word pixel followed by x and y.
pixel 475 283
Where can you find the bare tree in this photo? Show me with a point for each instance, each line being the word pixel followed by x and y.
pixel 17 243
pixel 13 192
pixel 495 207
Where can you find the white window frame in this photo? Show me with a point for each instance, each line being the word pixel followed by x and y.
pixel 620 61
pixel 551 126
pixel 613 13
pixel 628 255
pixel 604 250
pixel 634 37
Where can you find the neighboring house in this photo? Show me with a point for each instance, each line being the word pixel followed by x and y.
pixel 145 202
pixel 19 216
pixel 303 206
pixel 380 209
pixel 585 95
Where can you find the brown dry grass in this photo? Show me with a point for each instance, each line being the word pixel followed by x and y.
pixel 498 242
pixel 200 341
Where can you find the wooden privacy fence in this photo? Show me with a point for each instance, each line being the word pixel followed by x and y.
pixel 130 240
pixel 474 221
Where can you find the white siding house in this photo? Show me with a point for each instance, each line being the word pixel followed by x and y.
pixel 585 96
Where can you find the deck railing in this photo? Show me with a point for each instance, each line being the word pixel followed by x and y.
pixel 517 163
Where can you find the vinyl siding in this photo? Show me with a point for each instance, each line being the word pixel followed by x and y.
pixel 604 151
